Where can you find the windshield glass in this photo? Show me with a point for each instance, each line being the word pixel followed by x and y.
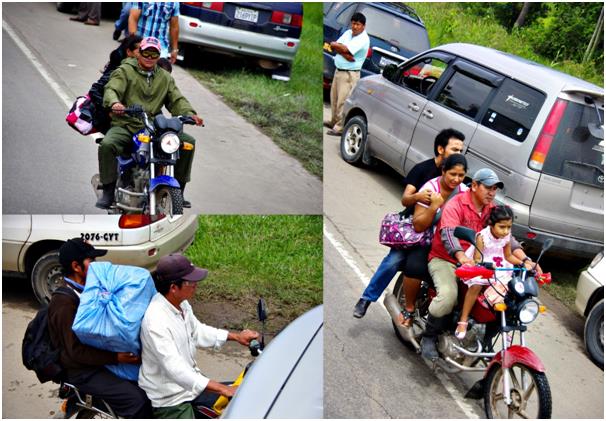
pixel 575 154
pixel 395 30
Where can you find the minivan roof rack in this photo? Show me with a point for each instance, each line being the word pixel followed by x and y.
pixel 407 10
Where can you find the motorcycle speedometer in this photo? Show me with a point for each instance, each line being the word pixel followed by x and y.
pixel 170 143
pixel 529 310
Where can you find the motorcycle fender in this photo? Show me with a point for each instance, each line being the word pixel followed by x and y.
pixel 517 354
pixel 163 180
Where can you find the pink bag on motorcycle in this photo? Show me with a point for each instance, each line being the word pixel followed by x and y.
pixel 398 232
pixel 80 116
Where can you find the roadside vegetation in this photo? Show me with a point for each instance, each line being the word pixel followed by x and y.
pixel 277 257
pixel 558 35
pixel 290 113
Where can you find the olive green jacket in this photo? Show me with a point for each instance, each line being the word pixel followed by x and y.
pixel 131 85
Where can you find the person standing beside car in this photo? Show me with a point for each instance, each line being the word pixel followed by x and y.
pixel 83 365
pixel 170 335
pixel 351 49
pixel 159 20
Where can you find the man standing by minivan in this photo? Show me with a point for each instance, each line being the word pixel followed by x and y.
pixel 351 49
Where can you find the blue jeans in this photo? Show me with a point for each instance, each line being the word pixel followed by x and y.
pixel 385 272
pixel 122 22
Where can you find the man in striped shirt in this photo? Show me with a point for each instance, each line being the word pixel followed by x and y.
pixel 158 20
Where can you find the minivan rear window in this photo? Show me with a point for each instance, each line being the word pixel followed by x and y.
pixel 575 154
pixel 513 109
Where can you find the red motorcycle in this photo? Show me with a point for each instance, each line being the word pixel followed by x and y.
pixel 514 382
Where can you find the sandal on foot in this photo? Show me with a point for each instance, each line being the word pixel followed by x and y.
pixel 460 333
pixel 405 318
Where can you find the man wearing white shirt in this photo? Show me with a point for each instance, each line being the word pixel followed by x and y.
pixel 170 335
pixel 351 48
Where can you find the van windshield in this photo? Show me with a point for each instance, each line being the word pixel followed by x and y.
pixel 575 154
pixel 395 30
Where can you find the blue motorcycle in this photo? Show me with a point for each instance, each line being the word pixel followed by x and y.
pixel 146 183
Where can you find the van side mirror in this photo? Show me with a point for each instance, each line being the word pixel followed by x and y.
pixel 389 71
pixel 466 234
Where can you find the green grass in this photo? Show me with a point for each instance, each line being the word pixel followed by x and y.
pixel 448 22
pixel 277 257
pixel 289 113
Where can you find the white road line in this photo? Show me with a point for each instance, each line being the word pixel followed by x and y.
pixel 467 409
pixel 65 98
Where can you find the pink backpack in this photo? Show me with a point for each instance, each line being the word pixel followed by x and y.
pixel 80 116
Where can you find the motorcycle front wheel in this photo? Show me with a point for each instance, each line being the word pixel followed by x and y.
pixel 529 390
pixel 169 201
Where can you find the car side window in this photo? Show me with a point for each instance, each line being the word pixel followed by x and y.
pixel 421 76
pixel 464 94
pixel 513 109
pixel 344 17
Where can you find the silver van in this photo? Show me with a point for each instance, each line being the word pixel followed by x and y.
pixel 541 131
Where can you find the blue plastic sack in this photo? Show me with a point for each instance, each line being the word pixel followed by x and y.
pixel 111 308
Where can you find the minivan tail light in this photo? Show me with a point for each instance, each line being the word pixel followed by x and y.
pixel 137 221
pixel 217 6
pixel 290 19
pixel 550 129
pixel 369 53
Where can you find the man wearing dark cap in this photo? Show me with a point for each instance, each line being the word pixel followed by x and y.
pixel 139 81
pixel 83 364
pixel 470 209
pixel 170 334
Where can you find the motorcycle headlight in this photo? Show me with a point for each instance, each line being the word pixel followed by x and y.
pixel 529 310
pixel 170 143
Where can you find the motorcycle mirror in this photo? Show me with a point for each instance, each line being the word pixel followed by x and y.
pixel 467 234
pixel 547 244
pixel 262 310
pixel 596 130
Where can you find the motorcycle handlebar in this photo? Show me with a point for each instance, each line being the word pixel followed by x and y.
pixel 186 119
pixel 134 109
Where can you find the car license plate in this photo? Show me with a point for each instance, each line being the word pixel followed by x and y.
pixel 246 14
pixel 385 61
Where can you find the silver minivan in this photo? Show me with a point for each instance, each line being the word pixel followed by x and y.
pixel 541 131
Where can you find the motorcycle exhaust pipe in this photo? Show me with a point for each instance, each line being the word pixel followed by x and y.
pixel 394 309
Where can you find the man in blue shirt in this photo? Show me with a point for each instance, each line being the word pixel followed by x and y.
pixel 351 48
pixel 158 20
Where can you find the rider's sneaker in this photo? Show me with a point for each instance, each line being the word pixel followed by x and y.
pixel 428 348
pixel 360 308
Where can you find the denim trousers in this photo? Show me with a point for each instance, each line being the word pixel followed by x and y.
pixel 390 265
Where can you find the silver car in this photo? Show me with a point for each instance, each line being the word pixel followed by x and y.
pixel 539 129
pixel 286 381
pixel 30 243
pixel 590 303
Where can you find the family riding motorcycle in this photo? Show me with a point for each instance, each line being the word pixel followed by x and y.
pixel 77 405
pixel 146 183
pixel 514 382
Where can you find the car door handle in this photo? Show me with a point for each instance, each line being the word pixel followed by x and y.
pixel 413 106
pixel 427 113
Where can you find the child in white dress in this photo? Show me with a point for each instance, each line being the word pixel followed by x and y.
pixel 494 242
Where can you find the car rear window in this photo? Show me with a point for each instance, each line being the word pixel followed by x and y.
pixel 394 29
pixel 464 94
pixel 575 154
pixel 513 110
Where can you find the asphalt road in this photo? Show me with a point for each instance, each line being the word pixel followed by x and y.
pixel 23 396
pixel 368 372
pixel 48 61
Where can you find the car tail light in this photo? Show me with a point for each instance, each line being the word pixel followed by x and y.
pixel 217 6
pixel 550 129
pixel 369 53
pixel 138 221
pixel 290 19
pixel 531 235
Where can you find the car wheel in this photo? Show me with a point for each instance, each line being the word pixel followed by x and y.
pixel 353 140
pixel 594 334
pixel 46 276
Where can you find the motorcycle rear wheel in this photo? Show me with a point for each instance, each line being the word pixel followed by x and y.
pixel 418 327
pixel 169 201
pixel 530 401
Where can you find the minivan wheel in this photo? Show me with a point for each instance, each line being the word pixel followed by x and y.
pixel 594 334
pixel 353 140
pixel 46 276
